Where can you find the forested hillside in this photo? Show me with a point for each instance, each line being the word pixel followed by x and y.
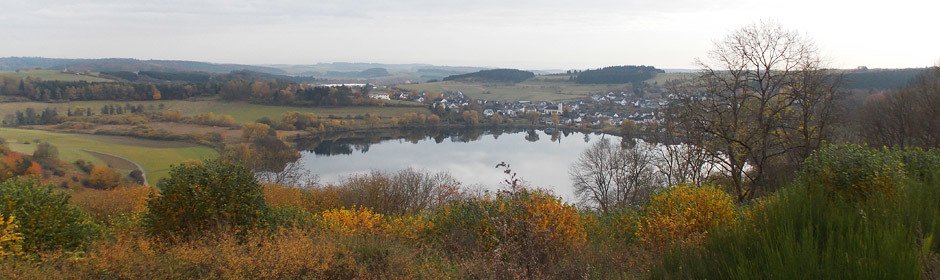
pixel 618 75
pixel 494 75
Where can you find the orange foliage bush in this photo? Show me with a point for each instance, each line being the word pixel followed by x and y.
pixel 34 169
pixel 683 215
pixel 13 164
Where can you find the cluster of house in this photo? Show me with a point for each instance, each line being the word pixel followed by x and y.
pixel 600 109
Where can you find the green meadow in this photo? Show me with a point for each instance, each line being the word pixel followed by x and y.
pixel 154 156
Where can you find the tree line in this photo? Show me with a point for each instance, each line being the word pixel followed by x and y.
pixel 238 86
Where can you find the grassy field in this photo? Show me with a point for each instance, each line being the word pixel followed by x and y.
pixel 53 75
pixel 155 156
pixel 242 112
pixel 540 88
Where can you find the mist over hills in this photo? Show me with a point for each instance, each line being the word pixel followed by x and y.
pixel 126 64
pixel 876 79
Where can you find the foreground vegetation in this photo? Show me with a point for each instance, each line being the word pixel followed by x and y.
pixel 853 212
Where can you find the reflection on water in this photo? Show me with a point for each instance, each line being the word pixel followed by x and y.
pixel 539 157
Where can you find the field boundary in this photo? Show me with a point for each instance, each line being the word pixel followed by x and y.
pixel 106 157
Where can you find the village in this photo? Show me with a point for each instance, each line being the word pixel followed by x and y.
pixel 597 110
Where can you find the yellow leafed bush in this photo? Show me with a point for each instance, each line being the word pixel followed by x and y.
pixel 683 215
pixel 11 240
pixel 407 227
pixel 351 221
pixel 559 222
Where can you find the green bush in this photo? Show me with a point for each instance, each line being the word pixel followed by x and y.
pixel 290 217
pixel 206 197
pixel 801 232
pixel 919 164
pixel 45 218
pixel 854 172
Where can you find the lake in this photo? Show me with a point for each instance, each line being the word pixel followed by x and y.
pixel 541 158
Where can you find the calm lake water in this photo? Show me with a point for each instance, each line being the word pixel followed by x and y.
pixel 541 158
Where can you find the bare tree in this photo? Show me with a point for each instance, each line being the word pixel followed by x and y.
pixel 608 176
pixel 754 90
pixel 407 191
pixel 905 118
pixel 293 175
pixel 678 157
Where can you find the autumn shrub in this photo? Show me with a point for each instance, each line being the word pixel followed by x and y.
pixel 73 125
pixel 11 239
pixel 521 230
pixel 253 131
pixel 854 172
pixel 212 119
pixel 126 119
pixel 206 197
pixel 684 215
pixel 102 177
pixel 170 116
pixel 106 205
pixel 45 217
pixel 409 227
pixel 351 221
pixel 281 195
pixel 298 121
pixel 16 164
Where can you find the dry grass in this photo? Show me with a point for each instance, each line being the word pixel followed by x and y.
pixel 291 254
pixel 105 205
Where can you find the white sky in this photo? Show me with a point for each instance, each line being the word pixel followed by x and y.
pixel 495 33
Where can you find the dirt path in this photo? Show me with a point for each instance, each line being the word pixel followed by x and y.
pixel 118 162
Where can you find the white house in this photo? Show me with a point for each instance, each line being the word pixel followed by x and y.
pixel 380 96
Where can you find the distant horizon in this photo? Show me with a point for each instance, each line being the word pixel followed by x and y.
pixel 428 64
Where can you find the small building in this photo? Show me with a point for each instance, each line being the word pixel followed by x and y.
pixel 554 109
pixel 380 96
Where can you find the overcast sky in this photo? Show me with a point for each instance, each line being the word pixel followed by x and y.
pixel 495 33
